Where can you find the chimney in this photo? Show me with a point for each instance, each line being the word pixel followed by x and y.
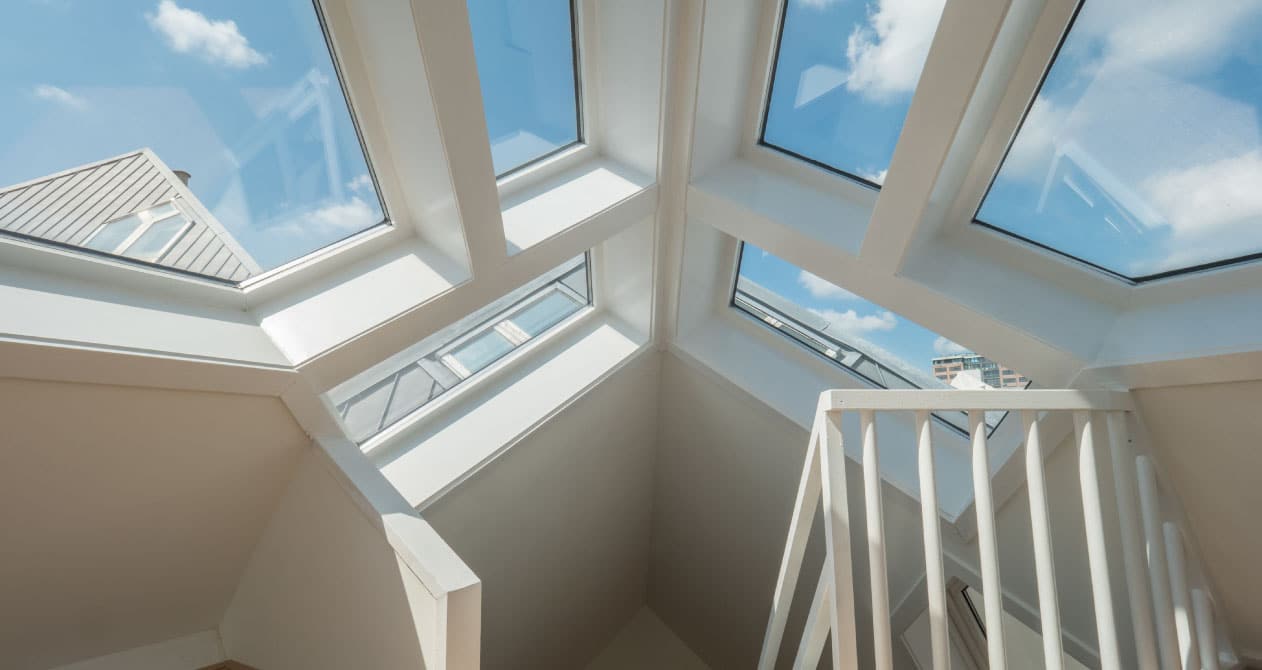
pixel 184 176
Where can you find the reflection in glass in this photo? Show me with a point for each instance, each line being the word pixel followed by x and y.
pixel 844 77
pixel 883 348
pixel 232 107
pixel 1142 151
pixel 526 55
pixel 409 380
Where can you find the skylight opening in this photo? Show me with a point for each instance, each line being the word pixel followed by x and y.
pixel 527 58
pixel 842 81
pixel 1140 153
pixel 231 111
pixel 877 346
pixel 408 381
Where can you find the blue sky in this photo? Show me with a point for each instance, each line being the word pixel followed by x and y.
pixel 845 74
pixel 241 94
pixel 849 316
pixel 526 69
pixel 1142 151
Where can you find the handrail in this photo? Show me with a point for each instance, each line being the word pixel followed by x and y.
pixel 1167 612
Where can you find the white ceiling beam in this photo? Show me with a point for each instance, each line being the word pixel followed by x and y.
pixel 446 40
pixel 959 52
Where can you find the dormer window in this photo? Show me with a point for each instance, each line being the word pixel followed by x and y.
pixel 146 235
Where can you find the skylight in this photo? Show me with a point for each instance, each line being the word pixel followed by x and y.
pixel 843 80
pixel 411 379
pixel 883 349
pixel 230 111
pixel 1142 152
pixel 526 57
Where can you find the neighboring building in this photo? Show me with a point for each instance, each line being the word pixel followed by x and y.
pixel 990 373
pixel 132 206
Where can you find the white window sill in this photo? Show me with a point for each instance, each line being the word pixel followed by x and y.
pixel 443 448
pixel 573 198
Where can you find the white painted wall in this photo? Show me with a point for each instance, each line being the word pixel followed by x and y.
pixel 325 591
pixel 128 514
pixel 645 642
pixel 1207 439
pixel 557 528
pixel 191 651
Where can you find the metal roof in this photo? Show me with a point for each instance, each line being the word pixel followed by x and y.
pixel 68 207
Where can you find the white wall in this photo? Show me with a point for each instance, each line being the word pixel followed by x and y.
pixel 645 642
pixel 128 514
pixel 1207 439
pixel 557 528
pixel 325 591
pixel 191 651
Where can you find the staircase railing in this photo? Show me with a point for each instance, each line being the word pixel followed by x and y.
pixel 1168 615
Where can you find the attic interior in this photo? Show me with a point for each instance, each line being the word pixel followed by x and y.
pixel 610 335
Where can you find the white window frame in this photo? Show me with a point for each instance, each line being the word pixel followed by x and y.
pixel 147 221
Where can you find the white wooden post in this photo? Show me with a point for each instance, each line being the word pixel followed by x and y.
pixel 1041 528
pixel 837 536
pixel 1097 554
pixel 935 576
pixel 987 542
pixel 1158 571
pixel 882 645
pixel 800 522
pixel 1203 612
pixel 815 633
pixel 1181 596
pixel 1132 553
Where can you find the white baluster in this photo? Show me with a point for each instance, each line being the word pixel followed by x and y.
pixel 1041 527
pixel 1203 612
pixel 987 541
pixel 1097 554
pixel 935 576
pixel 1181 596
pixel 1132 552
pixel 1158 571
pixel 837 536
pixel 791 562
pixel 879 581
pixel 815 633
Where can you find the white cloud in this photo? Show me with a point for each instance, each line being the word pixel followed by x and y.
pixel 1034 146
pixel 851 322
pixel 1212 208
pixel 189 31
pixel 1176 33
pixel 350 216
pixel 818 4
pixel 822 289
pixel 944 347
pixel 360 183
pixel 886 55
pixel 59 95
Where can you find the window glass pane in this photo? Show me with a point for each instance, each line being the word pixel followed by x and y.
pixel 526 56
pixel 417 375
pixel 844 76
pixel 115 97
pixel 545 313
pixel 482 350
pixel 414 388
pixel 1142 151
pixel 113 234
pixel 883 348
pixel 156 238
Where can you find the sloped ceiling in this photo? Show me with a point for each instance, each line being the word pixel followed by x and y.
pixel 127 514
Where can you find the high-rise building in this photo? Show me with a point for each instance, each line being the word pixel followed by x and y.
pixel 992 374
